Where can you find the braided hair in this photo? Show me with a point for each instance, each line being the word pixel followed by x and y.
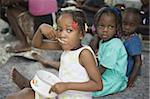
pixel 77 15
pixel 113 11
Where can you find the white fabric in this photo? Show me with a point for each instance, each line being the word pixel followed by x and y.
pixel 72 71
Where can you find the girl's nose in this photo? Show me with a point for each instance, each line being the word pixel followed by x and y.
pixel 63 34
pixel 127 27
pixel 105 28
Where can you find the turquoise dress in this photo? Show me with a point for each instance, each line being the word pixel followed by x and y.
pixel 113 56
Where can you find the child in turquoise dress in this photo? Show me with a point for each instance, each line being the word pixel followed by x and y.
pixel 112 55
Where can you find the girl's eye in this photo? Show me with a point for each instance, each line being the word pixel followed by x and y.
pixel 129 24
pixel 111 27
pixel 69 30
pixel 100 26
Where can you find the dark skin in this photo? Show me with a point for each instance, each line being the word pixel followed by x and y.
pixel 68 38
pixel 106 19
pixel 130 24
pixel 14 8
pixel 71 40
pixel 94 43
pixel 101 69
pixel 12 13
pixel 135 70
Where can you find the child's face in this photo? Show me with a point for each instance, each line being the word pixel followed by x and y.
pixel 106 27
pixel 69 32
pixel 129 23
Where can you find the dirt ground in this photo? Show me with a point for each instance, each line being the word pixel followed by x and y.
pixel 29 67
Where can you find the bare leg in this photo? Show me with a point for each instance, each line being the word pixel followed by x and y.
pixel 19 79
pixel 12 14
pixel 26 93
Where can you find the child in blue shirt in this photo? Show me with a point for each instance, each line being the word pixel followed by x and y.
pixel 112 55
pixel 132 42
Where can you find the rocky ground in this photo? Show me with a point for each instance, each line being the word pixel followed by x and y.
pixel 29 67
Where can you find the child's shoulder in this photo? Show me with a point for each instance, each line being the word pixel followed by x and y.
pixel 86 47
pixel 135 38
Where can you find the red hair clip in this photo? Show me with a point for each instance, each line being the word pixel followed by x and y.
pixel 74 25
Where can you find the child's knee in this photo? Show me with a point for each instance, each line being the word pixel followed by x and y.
pixel 9 97
pixel 28 92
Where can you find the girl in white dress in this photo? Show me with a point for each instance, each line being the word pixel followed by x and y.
pixel 77 68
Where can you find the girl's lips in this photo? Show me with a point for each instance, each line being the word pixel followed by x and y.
pixel 104 36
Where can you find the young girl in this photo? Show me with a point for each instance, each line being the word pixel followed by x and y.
pixel 132 42
pixel 77 68
pixel 112 55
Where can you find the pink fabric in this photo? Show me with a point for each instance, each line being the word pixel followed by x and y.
pixel 42 7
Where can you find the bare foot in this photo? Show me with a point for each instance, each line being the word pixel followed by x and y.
pixel 39 58
pixel 19 79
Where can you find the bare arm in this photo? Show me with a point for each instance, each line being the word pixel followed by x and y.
pixel 94 83
pixel 95 43
pixel 135 70
pixel 54 64
pixel 39 42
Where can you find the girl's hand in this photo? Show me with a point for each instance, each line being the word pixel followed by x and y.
pixel 131 82
pixel 59 87
pixel 48 31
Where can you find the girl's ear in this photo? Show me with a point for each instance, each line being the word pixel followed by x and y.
pixel 81 37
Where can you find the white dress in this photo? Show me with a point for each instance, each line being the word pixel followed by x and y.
pixel 72 71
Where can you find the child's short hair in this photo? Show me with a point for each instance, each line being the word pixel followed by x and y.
pixel 115 12
pixel 78 16
pixel 134 11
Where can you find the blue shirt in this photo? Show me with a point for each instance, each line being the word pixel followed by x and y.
pixel 133 47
